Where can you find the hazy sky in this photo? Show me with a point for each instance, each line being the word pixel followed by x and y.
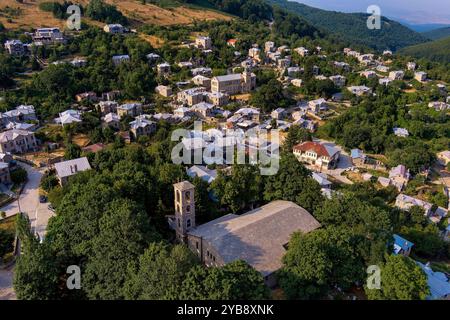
pixel 414 11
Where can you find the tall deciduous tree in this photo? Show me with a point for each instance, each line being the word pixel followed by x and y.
pixel 293 182
pixel 234 281
pixel 401 279
pixel 239 190
pixel 159 272
pixel 320 260
pixel 104 274
pixel 295 136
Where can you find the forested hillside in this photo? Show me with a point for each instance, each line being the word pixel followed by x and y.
pixel 438 50
pixel 285 23
pixel 352 27
pixel 437 33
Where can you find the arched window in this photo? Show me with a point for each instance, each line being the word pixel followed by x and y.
pixel 187 196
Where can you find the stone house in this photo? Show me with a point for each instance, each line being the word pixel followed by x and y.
pixel 317 154
pixel 66 169
pixel 17 141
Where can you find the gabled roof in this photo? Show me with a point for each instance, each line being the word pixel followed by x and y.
pixel 413 201
pixel 279 110
pixel 401 244
pixel 67 119
pixel 399 170
pixel 321 179
pixel 317 101
pixel 141 122
pixel 247 111
pixel 71 167
pixel 357 153
pixel 129 106
pixel 202 172
pixel 203 106
pixel 259 236
pixel 94 147
pixel 228 77
pixel 199 77
pixel 111 117
pixel 321 149
pixel 13 134
pixel 121 57
pixel 437 282
pixel 19 126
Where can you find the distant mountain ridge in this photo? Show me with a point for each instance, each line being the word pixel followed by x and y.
pixel 437 33
pixel 352 27
pixel 421 28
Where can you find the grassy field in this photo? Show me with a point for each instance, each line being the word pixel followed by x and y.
pixel 167 15
pixel 8 224
pixel 154 41
pixel 81 140
pixel 27 15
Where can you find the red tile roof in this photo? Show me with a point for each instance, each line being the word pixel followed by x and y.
pixel 312 146
pixel 94 147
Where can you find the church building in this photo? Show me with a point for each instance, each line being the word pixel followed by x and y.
pixel 259 237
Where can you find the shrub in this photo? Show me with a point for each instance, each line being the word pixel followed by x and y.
pixel 19 175
pixel 6 242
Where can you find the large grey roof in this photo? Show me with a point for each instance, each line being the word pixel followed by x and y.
pixel 67 168
pixel 229 77
pixel 259 236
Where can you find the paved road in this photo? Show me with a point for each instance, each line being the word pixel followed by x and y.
pixel 29 202
pixel 38 214
pixel 6 288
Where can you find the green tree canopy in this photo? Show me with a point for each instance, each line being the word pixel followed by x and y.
pixel 401 279
pixel 235 281
pixel 159 272
pixel 293 182
pixel 320 260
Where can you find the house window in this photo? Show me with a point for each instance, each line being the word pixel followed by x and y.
pixel 196 245
pixel 179 223
pixel 188 209
pixel 188 223
pixel 178 195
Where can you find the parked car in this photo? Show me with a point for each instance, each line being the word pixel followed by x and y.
pixel 42 199
pixel 50 207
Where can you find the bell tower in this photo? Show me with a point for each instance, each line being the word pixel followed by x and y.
pixel 184 209
pixel 247 80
